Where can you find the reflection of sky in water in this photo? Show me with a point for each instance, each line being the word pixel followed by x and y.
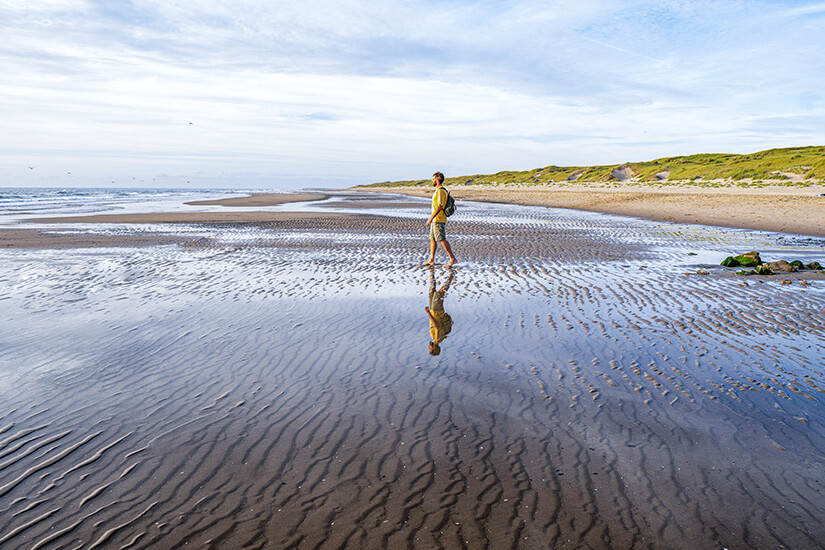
pixel 630 353
pixel 626 330
pixel 614 349
pixel 539 312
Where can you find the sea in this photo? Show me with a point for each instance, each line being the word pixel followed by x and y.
pixel 21 203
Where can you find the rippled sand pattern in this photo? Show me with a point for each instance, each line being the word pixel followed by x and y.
pixel 276 391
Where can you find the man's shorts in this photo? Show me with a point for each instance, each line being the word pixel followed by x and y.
pixel 438 231
pixel 436 300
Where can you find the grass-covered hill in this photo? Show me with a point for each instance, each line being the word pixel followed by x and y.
pixel 792 166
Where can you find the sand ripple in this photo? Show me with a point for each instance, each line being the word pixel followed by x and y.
pixel 276 391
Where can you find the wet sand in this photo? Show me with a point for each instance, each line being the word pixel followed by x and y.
pixel 54 238
pixel 261 199
pixel 274 390
pixel 790 210
pixel 32 238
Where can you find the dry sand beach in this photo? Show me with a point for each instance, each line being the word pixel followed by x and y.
pixel 798 210
pixel 262 380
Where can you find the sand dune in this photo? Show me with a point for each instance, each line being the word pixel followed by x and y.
pixel 277 391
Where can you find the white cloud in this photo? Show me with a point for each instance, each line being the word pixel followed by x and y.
pixel 810 9
pixel 42 6
pixel 386 91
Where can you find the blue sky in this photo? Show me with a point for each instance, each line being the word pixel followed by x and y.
pixel 332 93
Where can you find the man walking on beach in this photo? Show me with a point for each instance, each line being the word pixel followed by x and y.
pixel 438 222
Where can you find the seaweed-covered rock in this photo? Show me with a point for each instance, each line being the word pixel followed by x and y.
pixel 781 266
pixel 752 259
pixel 748 259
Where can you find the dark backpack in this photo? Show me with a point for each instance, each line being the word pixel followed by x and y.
pixel 449 207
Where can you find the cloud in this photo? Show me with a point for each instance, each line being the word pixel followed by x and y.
pixel 810 9
pixel 379 91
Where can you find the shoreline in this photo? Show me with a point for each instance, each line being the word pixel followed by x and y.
pixel 798 211
pixel 189 217
pixel 20 236
pixel 38 238
pixel 261 199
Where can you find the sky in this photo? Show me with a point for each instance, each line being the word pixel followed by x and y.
pixel 332 93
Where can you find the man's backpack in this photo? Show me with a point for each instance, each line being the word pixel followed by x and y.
pixel 449 207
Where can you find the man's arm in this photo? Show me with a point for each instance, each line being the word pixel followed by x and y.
pixel 430 315
pixel 437 210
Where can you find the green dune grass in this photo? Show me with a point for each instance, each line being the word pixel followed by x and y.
pixel 795 166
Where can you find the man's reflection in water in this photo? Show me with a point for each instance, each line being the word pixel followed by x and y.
pixel 440 321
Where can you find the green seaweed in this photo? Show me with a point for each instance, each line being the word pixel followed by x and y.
pixel 747 260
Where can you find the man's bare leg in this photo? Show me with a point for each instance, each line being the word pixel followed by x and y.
pixel 449 251
pixel 431 261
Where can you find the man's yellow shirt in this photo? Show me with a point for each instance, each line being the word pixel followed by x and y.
pixel 440 199
pixel 437 328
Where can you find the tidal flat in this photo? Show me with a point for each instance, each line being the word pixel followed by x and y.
pixel 268 384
